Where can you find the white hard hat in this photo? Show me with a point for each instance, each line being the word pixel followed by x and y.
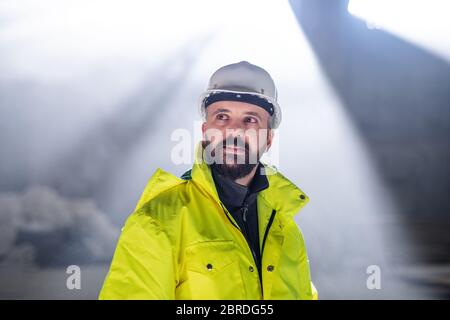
pixel 245 82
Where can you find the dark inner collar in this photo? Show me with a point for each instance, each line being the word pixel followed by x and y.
pixel 234 194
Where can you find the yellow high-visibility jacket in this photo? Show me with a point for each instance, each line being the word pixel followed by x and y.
pixel 181 243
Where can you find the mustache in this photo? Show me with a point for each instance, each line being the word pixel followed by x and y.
pixel 235 142
pixel 218 154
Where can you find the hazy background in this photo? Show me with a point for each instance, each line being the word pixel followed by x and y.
pixel 91 92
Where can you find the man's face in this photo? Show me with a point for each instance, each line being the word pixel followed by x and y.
pixel 235 134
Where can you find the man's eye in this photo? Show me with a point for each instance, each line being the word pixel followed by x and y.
pixel 251 120
pixel 221 117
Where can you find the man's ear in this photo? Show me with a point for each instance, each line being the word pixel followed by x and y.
pixel 270 134
pixel 203 130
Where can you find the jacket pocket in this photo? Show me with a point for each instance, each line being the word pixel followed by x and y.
pixel 212 271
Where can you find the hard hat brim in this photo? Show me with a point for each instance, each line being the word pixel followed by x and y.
pixel 275 118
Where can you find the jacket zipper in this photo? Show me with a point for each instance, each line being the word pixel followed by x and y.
pixel 226 213
pixel 244 212
pixel 272 216
pixel 266 232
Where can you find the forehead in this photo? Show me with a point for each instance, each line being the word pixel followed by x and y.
pixel 237 107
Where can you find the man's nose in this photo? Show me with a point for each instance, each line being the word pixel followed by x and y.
pixel 235 133
pixel 237 126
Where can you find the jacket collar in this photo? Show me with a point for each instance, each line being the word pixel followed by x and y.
pixel 281 195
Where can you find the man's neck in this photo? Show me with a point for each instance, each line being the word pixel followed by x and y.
pixel 248 178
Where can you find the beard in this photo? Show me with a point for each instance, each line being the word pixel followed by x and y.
pixel 231 165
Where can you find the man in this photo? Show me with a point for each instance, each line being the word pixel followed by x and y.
pixel 225 229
